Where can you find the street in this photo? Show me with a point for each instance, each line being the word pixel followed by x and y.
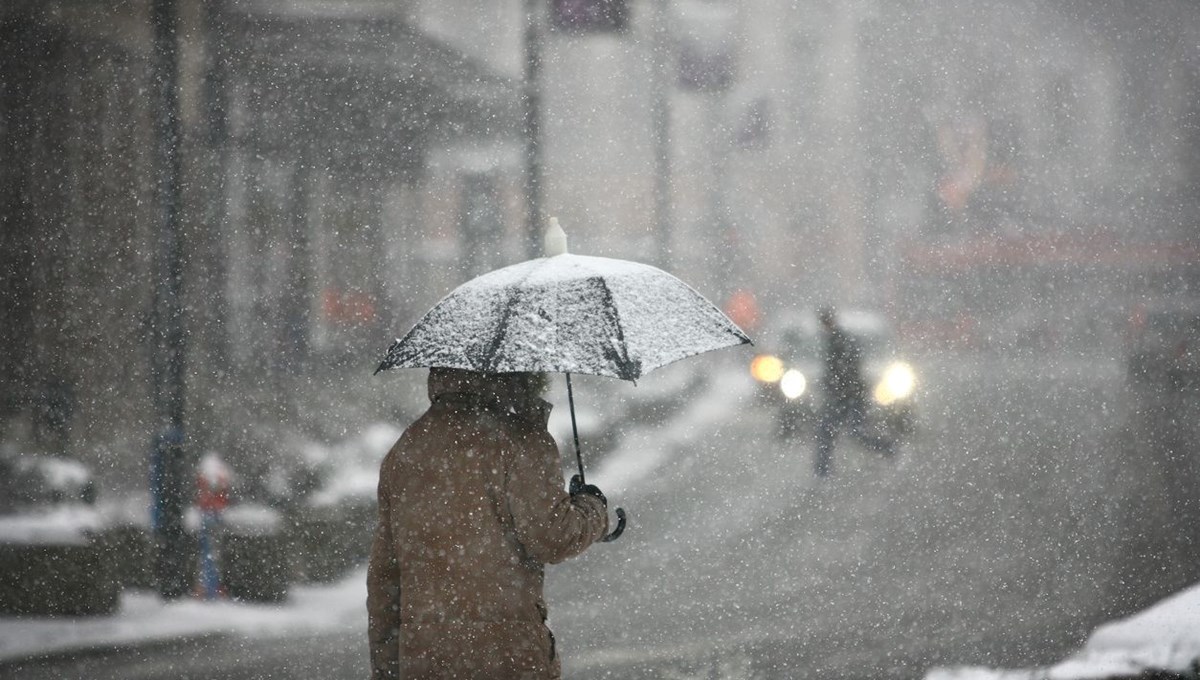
pixel 1013 525
pixel 1029 509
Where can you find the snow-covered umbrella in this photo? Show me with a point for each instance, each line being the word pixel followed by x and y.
pixel 566 313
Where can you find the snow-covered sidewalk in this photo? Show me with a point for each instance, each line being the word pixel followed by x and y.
pixel 145 618
pixel 1165 637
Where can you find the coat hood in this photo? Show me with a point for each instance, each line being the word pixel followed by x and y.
pixel 513 393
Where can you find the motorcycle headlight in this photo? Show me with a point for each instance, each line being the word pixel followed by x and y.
pixel 766 368
pixel 898 383
pixel 792 384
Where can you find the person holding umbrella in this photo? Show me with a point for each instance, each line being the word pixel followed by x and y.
pixel 471 509
pixel 470 499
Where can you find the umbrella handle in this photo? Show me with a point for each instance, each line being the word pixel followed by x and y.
pixel 575 429
pixel 616 533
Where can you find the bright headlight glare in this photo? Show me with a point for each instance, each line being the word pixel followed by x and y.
pixel 898 383
pixel 766 368
pixel 793 384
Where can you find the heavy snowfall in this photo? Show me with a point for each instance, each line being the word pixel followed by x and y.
pixel 232 233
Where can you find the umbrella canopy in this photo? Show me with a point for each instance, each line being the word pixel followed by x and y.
pixel 567 314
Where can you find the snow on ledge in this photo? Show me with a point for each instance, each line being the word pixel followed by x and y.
pixel 61 525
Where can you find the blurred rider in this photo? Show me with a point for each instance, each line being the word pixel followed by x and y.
pixel 845 393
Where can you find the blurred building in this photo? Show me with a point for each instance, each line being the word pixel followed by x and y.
pixel 990 173
pixel 1033 169
pixel 307 221
pixel 977 169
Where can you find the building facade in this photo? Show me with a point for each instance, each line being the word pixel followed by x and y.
pixel 305 147
pixel 346 163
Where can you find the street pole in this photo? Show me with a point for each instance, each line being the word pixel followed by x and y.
pixel 661 97
pixel 168 464
pixel 724 236
pixel 533 141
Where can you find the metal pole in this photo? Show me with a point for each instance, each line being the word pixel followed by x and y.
pixel 169 468
pixel 533 133
pixel 727 241
pixel 661 93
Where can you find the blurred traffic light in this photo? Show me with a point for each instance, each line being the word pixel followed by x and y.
pixel 707 46
pixel 589 16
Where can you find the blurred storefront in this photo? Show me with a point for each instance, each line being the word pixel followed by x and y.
pixel 307 134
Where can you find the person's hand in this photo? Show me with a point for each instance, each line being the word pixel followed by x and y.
pixel 577 487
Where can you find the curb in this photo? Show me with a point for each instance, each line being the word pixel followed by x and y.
pixel 86 650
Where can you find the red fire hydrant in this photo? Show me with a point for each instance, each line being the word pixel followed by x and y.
pixel 212 498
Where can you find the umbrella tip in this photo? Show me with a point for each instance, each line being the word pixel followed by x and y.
pixel 555 241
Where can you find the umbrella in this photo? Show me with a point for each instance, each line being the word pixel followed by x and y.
pixel 566 313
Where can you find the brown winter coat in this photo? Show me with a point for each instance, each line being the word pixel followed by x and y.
pixel 471 507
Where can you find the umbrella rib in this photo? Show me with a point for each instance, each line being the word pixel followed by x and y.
pixel 491 355
pixel 626 367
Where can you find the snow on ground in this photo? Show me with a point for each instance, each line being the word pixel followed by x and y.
pixel 353 465
pixel 1163 637
pixel 144 617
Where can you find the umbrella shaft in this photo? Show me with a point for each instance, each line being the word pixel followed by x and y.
pixel 574 428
